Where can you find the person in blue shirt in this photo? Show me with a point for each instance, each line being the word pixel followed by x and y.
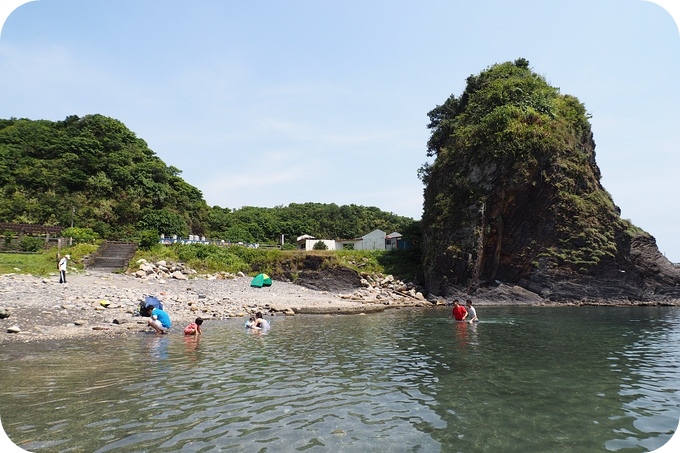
pixel 160 321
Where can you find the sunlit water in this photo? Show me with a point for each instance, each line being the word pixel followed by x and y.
pixel 523 380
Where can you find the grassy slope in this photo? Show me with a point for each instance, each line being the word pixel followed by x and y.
pixel 212 259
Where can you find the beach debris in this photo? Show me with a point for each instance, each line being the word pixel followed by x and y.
pixel 14 329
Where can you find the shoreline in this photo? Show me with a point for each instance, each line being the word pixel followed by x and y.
pixel 43 309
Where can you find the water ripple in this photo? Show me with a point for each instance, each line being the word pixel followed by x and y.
pixel 393 382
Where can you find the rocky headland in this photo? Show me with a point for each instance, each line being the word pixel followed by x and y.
pixel 514 197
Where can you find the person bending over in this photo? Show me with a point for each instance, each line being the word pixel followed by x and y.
pixel 194 328
pixel 160 321
pixel 260 321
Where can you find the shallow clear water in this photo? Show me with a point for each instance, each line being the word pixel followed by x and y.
pixel 525 379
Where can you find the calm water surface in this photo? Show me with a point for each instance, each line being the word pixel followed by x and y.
pixel 523 380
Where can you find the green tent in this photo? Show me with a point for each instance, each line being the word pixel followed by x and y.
pixel 261 280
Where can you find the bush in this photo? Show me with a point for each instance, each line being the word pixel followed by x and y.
pixel 87 235
pixel 147 239
pixel 321 245
pixel 31 244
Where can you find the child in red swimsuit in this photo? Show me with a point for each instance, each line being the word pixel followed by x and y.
pixel 194 328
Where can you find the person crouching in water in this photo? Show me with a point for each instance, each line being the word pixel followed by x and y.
pixel 260 321
pixel 194 328
pixel 160 321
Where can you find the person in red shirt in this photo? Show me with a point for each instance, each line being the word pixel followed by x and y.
pixel 459 312
pixel 194 328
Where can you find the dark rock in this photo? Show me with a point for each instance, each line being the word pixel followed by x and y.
pixel 514 196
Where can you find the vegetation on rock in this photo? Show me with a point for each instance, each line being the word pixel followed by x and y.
pixel 514 185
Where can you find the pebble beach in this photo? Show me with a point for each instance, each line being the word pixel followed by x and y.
pixel 92 303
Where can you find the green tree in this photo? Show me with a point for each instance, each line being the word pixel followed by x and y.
pixel 320 245
pixel 96 165
pixel 86 235
pixel 163 222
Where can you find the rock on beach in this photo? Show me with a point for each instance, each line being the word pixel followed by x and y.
pixel 100 303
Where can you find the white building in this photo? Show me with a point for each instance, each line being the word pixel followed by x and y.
pixel 392 241
pixel 307 242
pixel 375 240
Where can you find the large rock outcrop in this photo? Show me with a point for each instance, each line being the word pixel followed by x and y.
pixel 514 196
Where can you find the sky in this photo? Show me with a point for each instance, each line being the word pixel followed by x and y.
pixel 276 102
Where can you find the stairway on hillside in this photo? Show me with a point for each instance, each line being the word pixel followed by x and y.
pixel 112 256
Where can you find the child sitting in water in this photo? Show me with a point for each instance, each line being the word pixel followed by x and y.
pixel 194 328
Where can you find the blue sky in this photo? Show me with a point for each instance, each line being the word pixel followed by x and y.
pixel 276 102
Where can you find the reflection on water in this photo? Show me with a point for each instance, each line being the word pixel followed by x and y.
pixel 523 379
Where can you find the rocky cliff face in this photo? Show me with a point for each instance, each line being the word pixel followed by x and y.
pixel 514 196
pixel 643 274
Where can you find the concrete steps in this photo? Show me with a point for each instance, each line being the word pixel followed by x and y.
pixel 112 256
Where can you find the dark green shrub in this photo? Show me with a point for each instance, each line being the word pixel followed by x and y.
pixel 320 246
pixel 31 244
pixel 80 235
pixel 147 239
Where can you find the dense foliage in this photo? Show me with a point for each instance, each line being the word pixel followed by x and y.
pixel 94 174
pixel 324 221
pixel 514 180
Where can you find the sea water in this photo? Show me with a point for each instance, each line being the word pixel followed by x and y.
pixel 524 379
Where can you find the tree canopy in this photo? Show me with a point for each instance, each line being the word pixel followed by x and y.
pixel 93 172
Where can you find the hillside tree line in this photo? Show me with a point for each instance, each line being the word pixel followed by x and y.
pixel 96 174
